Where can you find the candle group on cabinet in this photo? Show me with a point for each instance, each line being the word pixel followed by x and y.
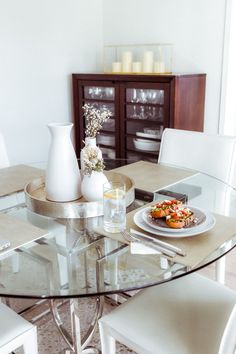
pixel 148 65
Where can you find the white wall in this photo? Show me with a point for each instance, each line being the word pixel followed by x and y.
pixel 228 106
pixel 195 27
pixel 41 44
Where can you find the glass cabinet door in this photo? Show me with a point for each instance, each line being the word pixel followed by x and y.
pixel 146 112
pixel 102 96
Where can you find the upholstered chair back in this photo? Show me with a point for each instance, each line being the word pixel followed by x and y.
pixel 210 154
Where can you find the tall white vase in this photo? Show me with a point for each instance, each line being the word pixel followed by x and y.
pixel 63 181
pixel 89 142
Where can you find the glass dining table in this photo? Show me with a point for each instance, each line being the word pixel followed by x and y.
pixel 74 258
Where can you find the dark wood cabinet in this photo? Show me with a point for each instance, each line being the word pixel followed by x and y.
pixel 142 106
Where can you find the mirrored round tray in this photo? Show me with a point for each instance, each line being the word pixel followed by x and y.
pixel 36 201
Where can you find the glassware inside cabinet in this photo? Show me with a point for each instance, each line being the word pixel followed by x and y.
pixel 145 96
pixel 99 93
pixel 103 106
pixel 152 113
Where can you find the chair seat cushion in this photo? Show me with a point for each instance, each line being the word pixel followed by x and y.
pixel 11 325
pixel 187 315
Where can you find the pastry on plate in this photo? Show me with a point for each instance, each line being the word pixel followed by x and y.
pixel 181 217
pixel 164 208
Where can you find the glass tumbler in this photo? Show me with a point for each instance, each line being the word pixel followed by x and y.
pixel 114 207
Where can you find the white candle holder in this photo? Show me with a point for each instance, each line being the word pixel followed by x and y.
pixel 138 59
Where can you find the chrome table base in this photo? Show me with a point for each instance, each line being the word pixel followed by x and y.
pixel 75 343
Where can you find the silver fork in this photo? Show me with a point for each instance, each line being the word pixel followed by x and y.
pixel 130 237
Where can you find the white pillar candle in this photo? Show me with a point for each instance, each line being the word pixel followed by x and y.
pixel 116 67
pixel 126 67
pixel 137 67
pixel 159 67
pixel 148 62
pixel 127 57
pixel 127 62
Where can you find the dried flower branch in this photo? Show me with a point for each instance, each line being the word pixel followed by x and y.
pixel 92 162
pixel 94 119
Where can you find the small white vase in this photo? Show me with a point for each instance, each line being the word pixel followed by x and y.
pixel 89 142
pixel 63 181
pixel 92 186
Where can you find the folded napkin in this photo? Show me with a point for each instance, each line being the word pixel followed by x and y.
pixel 139 248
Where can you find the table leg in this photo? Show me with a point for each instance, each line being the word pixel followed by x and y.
pixel 73 340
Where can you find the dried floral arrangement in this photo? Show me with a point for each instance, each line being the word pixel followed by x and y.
pixel 92 161
pixel 94 119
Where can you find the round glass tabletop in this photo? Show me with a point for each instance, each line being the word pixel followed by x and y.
pixel 74 258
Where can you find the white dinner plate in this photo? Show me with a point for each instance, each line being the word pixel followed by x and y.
pixel 147 135
pixel 207 225
pixel 160 224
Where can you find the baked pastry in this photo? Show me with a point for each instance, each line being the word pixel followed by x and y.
pixel 181 217
pixel 164 208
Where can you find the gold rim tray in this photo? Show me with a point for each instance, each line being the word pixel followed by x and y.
pixel 35 197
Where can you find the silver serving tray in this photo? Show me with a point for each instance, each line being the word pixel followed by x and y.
pixel 36 201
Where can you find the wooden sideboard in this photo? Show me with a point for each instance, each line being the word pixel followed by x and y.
pixel 142 106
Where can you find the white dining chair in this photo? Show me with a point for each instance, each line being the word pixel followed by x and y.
pixel 210 154
pixel 232 178
pixel 189 315
pixel 4 160
pixel 213 155
pixel 8 200
pixel 16 332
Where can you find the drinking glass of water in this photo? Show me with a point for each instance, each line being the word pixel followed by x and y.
pixel 114 207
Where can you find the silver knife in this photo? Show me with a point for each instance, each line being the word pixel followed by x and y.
pixel 154 240
pixel 149 243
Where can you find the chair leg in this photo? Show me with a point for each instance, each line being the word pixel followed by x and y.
pixel 108 343
pixel 30 345
pixel 220 270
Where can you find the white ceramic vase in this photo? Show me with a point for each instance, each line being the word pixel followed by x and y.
pixel 63 181
pixel 89 142
pixel 92 186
